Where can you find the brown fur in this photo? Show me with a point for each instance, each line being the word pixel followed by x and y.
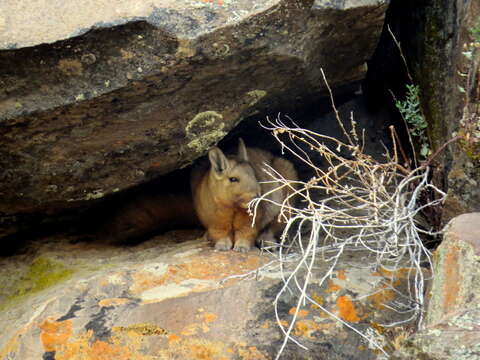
pixel 221 204
pixel 149 215
pixel 142 212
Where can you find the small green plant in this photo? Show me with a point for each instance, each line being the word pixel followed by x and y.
pixel 476 31
pixel 412 114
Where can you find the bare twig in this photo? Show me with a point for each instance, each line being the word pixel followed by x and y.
pixel 397 43
pixel 353 203
pixel 439 150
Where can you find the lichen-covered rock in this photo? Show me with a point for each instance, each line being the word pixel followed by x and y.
pixel 96 99
pixel 167 300
pixel 456 281
pixel 452 328
pixel 464 174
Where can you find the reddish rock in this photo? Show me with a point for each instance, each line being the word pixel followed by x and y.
pixel 456 281
pixel 452 328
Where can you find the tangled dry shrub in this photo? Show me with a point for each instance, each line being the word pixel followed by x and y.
pixel 355 202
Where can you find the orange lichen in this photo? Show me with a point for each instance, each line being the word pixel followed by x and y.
pixel 12 344
pixel 205 328
pixel 206 266
pixel 251 353
pixel 307 328
pixel 204 318
pixel 203 351
pixel 332 287
pixel 55 334
pixel 113 302
pixel 341 275
pixel 144 280
pixel 126 343
pixel 302 328
pixel 75 349
pixel 219 2
pixel 380 298
pixel 101 350
pixel 301 313
pixel 380 329
pixel 173 338
pixel 198 349
pixel 385 272
pixel 284 323
pixel 209 317
pixel 451 280
pixel 346 309
pixel 323 314
pixel 191 329
pixel 318 299
pixel 83 349
pixel 392 274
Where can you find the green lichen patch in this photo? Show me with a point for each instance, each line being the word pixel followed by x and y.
pixel 203 121
pixel 143 329
pixel 40 275
pixel 95 194
pixel 476 31
pixel 255 96
pixel 204 130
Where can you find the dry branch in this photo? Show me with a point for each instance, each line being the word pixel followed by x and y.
pixel 353 203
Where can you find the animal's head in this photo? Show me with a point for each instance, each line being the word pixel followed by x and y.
pixel 234 181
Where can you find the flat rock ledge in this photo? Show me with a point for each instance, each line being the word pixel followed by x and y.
pixel 169 300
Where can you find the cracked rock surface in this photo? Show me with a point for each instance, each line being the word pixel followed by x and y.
pixel 174 297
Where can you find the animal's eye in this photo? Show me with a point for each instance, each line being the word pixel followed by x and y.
pixel 234 179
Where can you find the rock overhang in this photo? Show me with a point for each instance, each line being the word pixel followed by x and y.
pixel 82 117
pixel 26 23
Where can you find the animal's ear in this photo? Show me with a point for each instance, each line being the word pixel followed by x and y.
pixel 219 162
pixel 242 150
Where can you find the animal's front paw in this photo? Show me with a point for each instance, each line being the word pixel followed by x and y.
pixel 223 244
pixel 243 246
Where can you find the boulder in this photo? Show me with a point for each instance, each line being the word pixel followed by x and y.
pixel 169 300
pixel 452 329
pixel 441 44
pixel 98 98
pixel 456 281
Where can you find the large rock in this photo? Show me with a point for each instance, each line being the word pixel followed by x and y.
pixel 452 328
pixel 441 43
pixel 100 97
pixel 170 300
